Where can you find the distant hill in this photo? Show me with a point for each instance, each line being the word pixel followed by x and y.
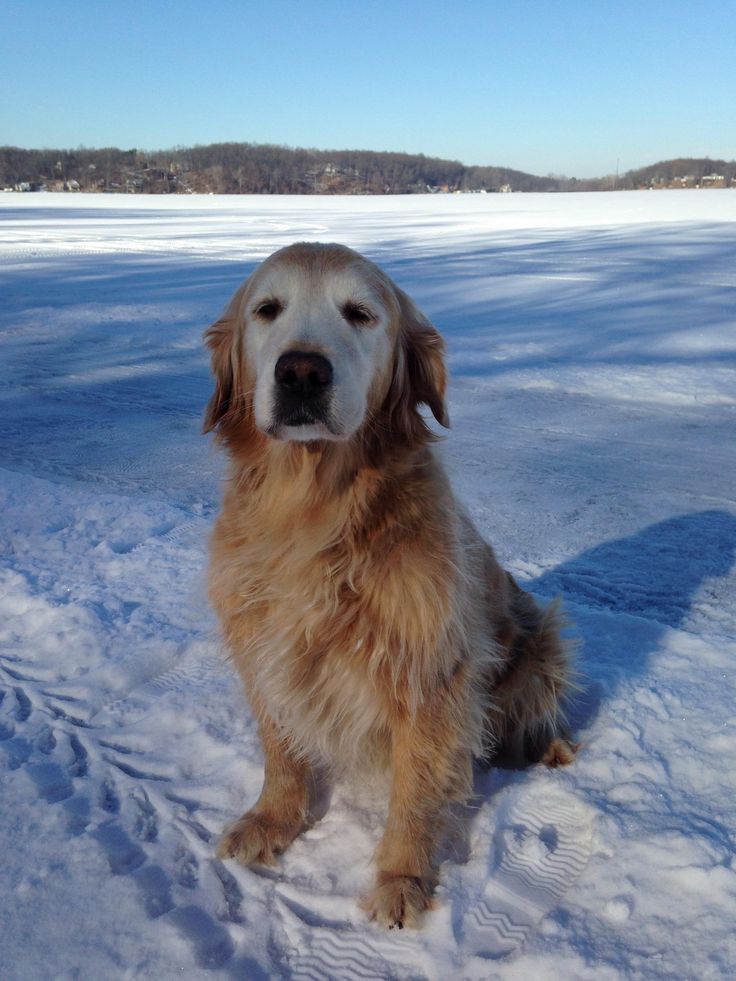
pixel 251 168
pixel 685 171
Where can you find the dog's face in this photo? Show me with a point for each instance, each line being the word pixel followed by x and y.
pixel 317 338
pixel 317 342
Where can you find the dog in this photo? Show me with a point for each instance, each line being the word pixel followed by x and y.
pixel 370 622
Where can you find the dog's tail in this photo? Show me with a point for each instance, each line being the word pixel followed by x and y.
pixel 526 716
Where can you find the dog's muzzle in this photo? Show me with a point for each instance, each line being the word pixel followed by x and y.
pixel 303 388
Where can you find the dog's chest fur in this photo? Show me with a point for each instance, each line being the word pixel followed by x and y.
pixel 334 615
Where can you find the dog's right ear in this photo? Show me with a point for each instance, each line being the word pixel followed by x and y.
pixel 227 404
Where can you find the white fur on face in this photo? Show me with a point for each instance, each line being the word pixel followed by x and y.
pixel 311 318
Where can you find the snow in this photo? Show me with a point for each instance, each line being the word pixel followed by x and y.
pixel 592 345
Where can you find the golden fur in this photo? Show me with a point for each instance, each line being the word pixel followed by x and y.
pixel 370 622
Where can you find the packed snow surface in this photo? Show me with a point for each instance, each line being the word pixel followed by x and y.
pixel 592 345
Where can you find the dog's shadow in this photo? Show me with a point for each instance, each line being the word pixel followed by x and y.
pixel 670 575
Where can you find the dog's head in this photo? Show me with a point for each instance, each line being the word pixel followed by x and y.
pixel 319 344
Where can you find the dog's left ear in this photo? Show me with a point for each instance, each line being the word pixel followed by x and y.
pixel 423 350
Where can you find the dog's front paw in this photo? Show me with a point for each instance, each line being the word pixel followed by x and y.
pixel 256 839
pixel 399 900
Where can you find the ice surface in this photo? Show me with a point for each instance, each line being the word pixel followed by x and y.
pixel 592 345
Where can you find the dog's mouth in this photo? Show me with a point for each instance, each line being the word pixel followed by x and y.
pixel 303 423
pixel 300 417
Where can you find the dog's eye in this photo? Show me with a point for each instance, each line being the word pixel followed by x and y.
pixel 357 314
pixel 268 310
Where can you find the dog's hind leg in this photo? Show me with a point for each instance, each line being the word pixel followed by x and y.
pixel 526 717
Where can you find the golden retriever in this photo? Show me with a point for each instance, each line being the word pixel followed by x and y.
pixel 370 622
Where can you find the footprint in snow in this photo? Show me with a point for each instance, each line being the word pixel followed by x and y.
pixel 52 781
pixel 23 705
pixel 348 955
pixel 330 939
pixel 123 853
pixel 539 849
pixel 146 819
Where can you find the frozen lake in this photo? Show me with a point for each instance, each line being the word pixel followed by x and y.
pixel 592 349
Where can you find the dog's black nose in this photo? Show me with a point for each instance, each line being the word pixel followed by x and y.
pixel 303 374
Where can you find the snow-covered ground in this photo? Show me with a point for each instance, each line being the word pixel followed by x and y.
pixel 592 345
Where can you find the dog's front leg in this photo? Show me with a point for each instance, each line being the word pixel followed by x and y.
pixel 430 769
pixel 280 812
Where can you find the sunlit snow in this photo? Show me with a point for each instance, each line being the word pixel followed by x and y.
pixel 592 347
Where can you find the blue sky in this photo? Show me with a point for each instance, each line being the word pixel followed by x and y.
pixel 547 86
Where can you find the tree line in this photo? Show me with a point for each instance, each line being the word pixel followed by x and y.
pixel 250 168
